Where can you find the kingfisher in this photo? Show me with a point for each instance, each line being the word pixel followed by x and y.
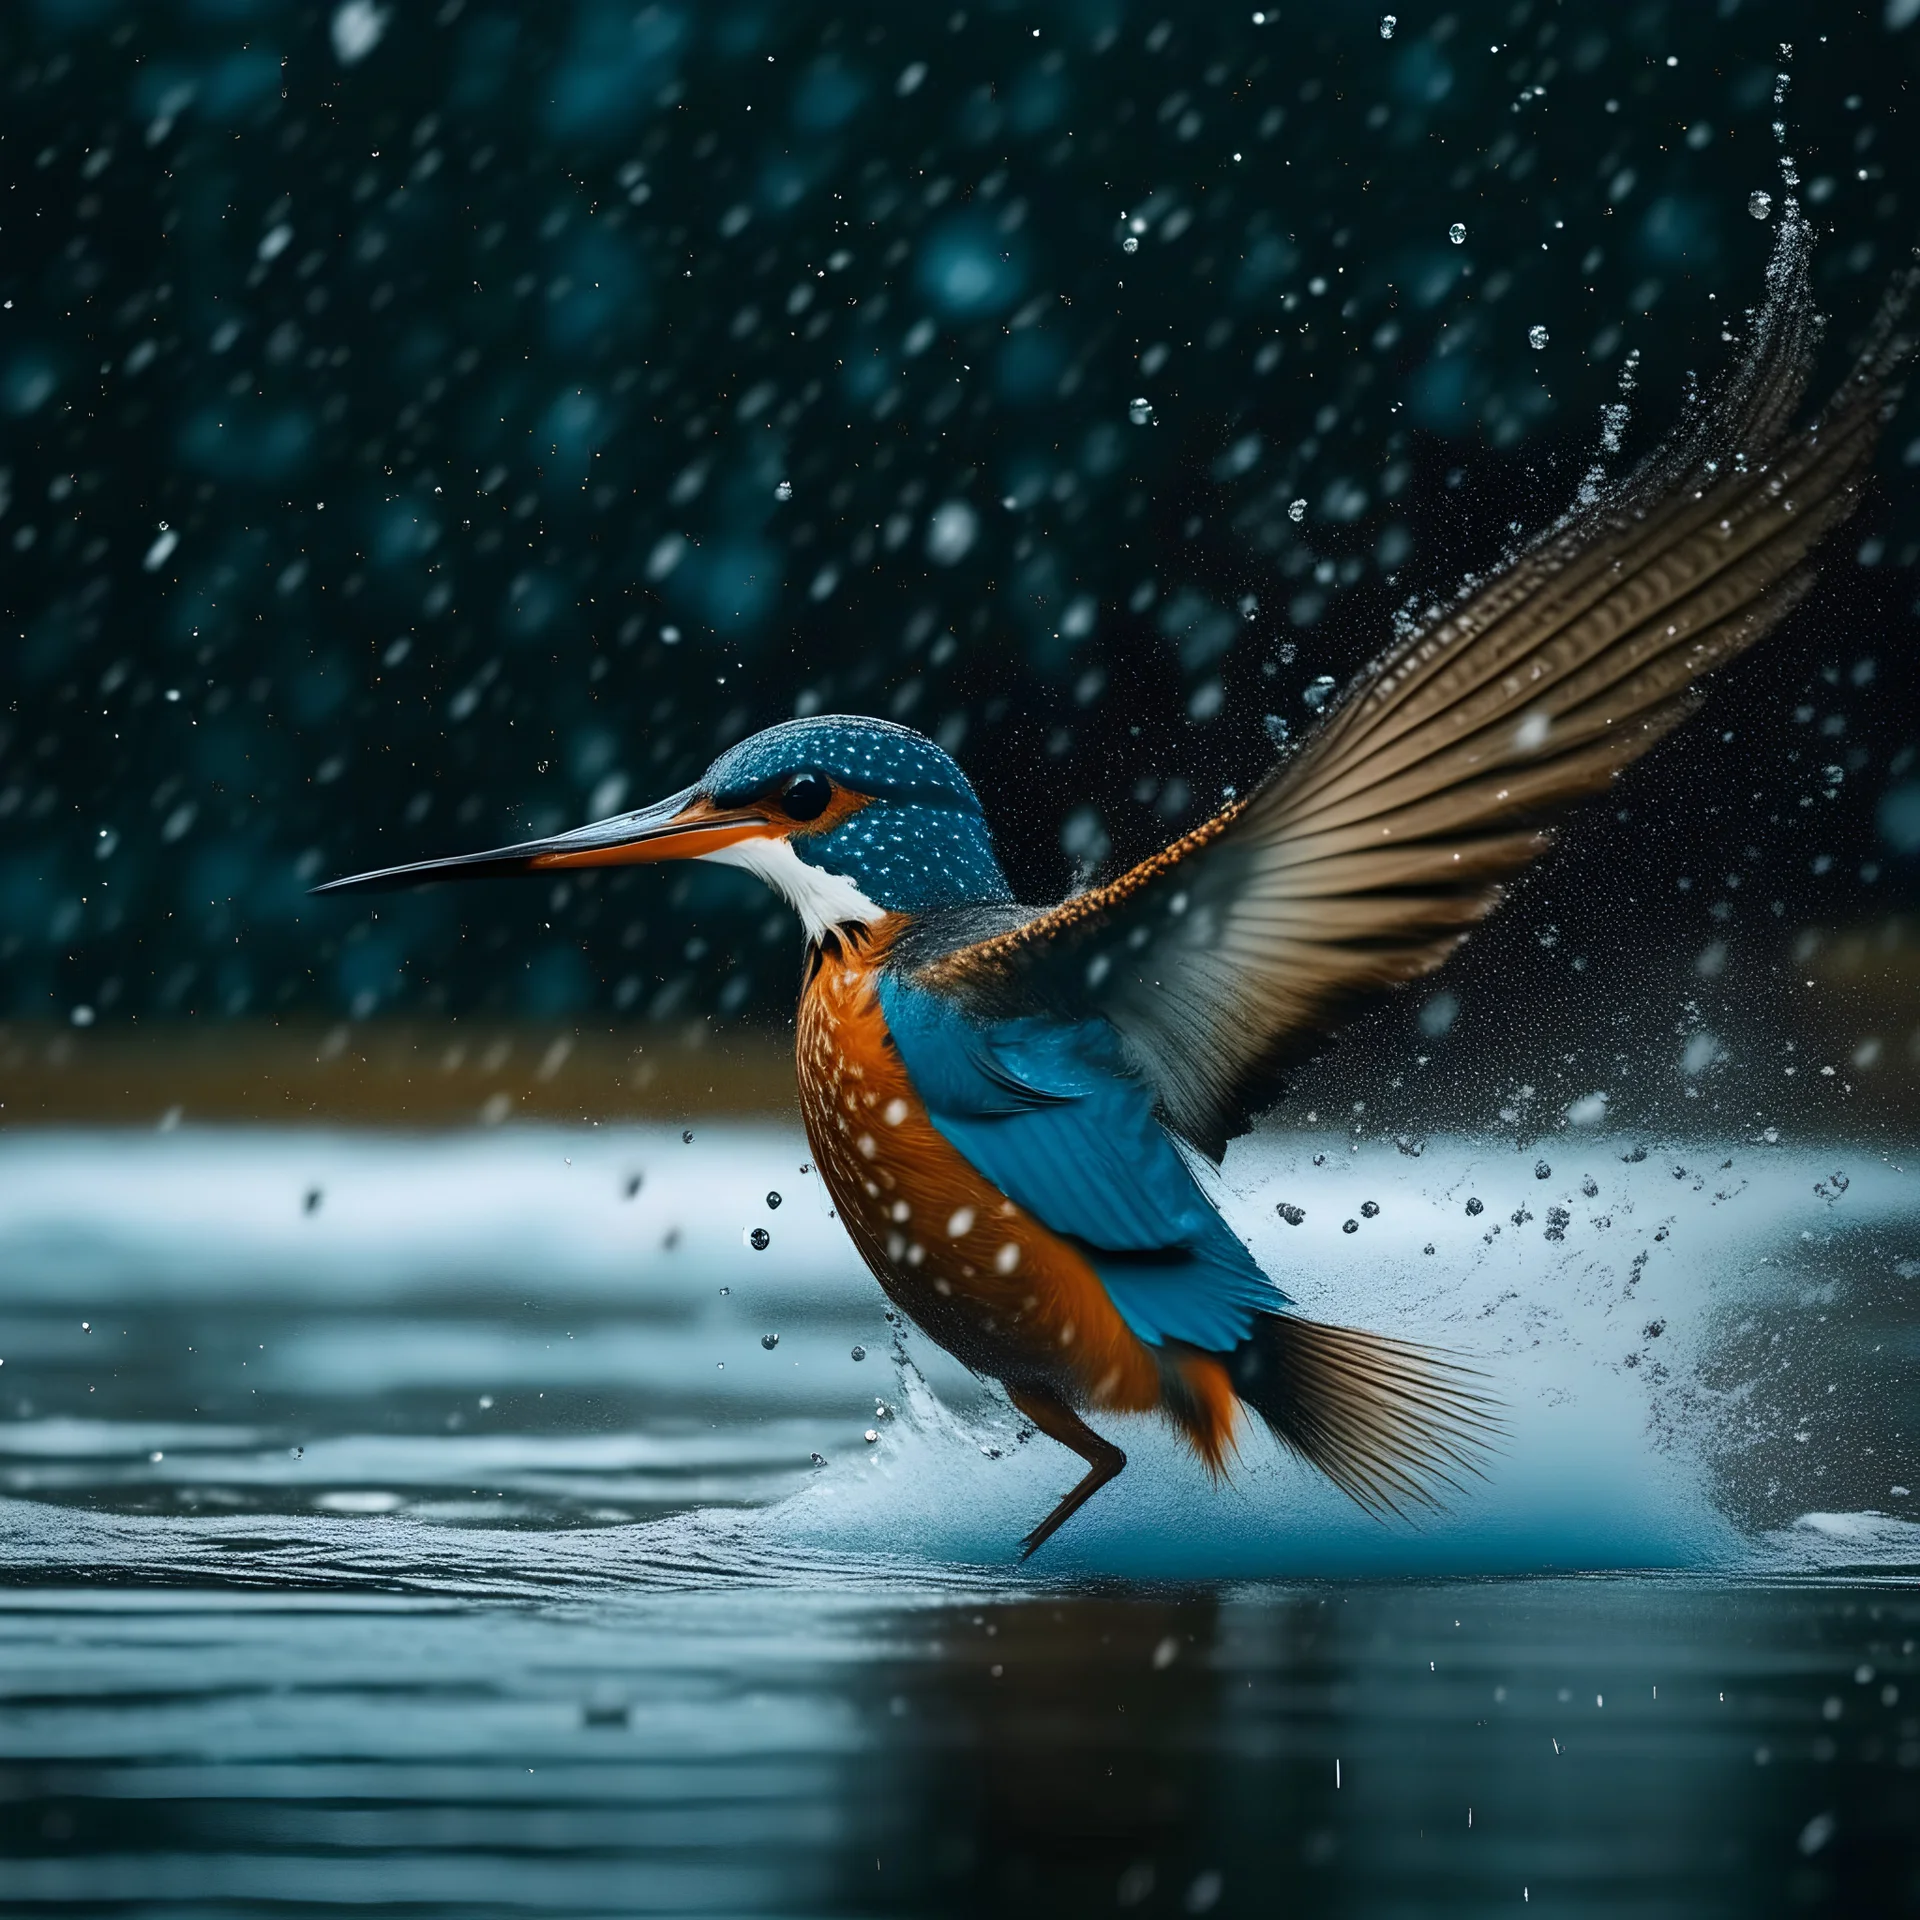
pixel 1015 1109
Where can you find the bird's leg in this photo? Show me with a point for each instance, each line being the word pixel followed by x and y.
pixel 1058 1421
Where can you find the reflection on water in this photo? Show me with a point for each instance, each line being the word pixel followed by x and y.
pixel 418 1523
pixel 820 1744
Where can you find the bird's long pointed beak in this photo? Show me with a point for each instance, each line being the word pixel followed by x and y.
pixel 682 827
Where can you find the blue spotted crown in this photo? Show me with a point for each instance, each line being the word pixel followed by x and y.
pixel 920 845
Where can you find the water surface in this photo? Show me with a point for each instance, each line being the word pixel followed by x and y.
pixel 424 1523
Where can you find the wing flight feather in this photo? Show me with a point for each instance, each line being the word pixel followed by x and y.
pixel 1363 860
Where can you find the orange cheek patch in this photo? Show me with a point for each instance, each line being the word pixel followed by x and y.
pixel 837 812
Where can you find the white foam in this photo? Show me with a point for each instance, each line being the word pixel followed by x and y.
pixel 202 1212
pixel 1605 1464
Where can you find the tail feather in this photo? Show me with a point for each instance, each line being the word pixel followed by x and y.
pixel 1390 1423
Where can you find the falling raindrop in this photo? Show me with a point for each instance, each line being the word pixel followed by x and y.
pixel 1541 1171
pixel 1350 1226
pixel 1759 204
pixel 1536 338
pixel 1131 244
pixel 298 1453
pixel 1140 411
pixel 1296 511
pixel 784 491
pixel 773 1199
pixel 1291 1214
pixel 688 1136
pixel 1457 233
pixel 1388 21
pixel 769 1341
pixel 759 1239
pixel 870 1436
pixel 1370 1210
pixel 819 1459
pixel 859 1353
pixel 1319 691
pixel 1475 1206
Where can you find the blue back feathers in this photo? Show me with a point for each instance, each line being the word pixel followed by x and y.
pixel 1051 1113
pixel 920 844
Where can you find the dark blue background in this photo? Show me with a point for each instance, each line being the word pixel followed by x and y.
pixel 397 405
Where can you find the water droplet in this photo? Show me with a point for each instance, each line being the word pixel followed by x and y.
pixel 1536 338
pixel 298 1453
pixel 1457 233
pixel 86 1326
pixel 870 1436
pixel 819 1459
pixel 759 1239
pixel 1319 691
pixel 769 1341
pixel 1370 1210
pixel 724 1291
pixel 1541 1171
pixel 1428 1248
pixel 1759 204
pixel 1291 1214
pixel 1388 22
pixel 688 1136
pixel 311 1204
pixel 784 491
pixel 1296 511
pixel 1349 1226
pixel 1131 244
pixel 1140 411
pixel 773 1199
pixel 633 1185
pixel 859 1353
pixel 154 1459
pixel 1474 1207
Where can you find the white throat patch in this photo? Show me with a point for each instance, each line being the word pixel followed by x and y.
pixel 821 899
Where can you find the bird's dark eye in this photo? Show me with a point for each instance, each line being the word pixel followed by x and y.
pixel 806 795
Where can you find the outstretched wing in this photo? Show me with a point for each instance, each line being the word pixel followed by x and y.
pixel 1362 861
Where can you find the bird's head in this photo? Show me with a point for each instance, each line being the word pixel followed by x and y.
pixel 847 818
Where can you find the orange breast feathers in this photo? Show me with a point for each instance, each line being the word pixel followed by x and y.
pixel 982 1276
